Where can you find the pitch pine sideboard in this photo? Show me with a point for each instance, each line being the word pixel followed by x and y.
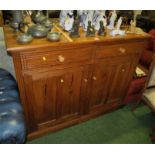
pixel 70 81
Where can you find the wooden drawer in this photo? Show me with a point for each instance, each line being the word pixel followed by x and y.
pixel 118 50
pixel 53 58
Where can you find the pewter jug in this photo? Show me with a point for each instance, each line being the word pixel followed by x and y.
pixel 47 23
pixel 38 17
pixel 18 20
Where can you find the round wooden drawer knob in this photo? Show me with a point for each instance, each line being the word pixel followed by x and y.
pixel 123 70
pixel 85 80
pixel 122 50
pixel 61 58
pixel 94 78
pixel 62 81
pixel 44 58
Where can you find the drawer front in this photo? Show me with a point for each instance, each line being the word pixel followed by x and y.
pixel 118 50
pixel 53 58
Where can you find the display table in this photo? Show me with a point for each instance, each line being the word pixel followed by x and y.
pixel 70 81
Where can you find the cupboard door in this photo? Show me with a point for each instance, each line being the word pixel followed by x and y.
pixel 68 94
pixel 54 96
pixel 85 90
pixel 41 96
pixel 109 81
pixel 100 80
pixel 121 75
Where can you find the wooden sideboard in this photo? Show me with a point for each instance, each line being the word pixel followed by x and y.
pixel 67 82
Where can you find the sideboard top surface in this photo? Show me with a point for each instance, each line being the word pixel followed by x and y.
pixel 12 45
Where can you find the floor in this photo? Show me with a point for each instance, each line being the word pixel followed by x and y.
pixel 118 127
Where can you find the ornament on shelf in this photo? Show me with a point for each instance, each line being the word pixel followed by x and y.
pixel 90 30
pixel 132 26
pixel 69 22
pixel 47 23
pixel 101 31
pixel 119 22
pixel 66 19
pixel 82 14
pixel 88 17
pixel 118 30
pixel 62 17
pixel 99 16
pixel 75 29
pixel 112 20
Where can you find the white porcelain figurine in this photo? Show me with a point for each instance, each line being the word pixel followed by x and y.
pixel 89 17
pixel 119 22
pixel 112 20
pixel 66 19
pixel 82 14
pixel 99 16
pixel 62 17
pixel 69 21
pixel 117 30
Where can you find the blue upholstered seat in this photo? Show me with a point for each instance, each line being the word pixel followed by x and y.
pixel 9 95
pixel 12 124
pixel 3 72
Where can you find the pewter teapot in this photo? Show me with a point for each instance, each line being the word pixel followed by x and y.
pixel 38 30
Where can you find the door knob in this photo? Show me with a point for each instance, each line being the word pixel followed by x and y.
pixel 123 70
pixel 122 50
pixel 44 58
pixel 85 80
pixel 61 58
pixel 62 81
pixel 94 78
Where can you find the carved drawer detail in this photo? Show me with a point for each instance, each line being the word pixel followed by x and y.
pixel 53 58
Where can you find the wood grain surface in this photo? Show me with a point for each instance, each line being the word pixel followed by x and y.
pixel 67 82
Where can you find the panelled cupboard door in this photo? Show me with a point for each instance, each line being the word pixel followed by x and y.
pixel 121 74
pixel 55 95
pixel 41 97
pixel 100 82
pixel 109 81
pixel 68 94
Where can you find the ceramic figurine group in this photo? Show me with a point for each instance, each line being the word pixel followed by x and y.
pixel 91 21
